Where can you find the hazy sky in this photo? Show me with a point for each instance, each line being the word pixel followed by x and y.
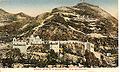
pixel 36 7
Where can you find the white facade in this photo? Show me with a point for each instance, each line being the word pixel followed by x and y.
pixel 89 46
pixel 22 48
pixel 35 40
pixel 55 47
pixel 108 54
pixel 20 44
pixel 53 44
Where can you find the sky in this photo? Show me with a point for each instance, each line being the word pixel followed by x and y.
pixel 36 7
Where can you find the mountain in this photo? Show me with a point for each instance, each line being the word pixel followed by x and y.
pixel 3 12
pixel 18 25
pixel 3 15
pixel 80 22
pixel 83 22
pixel 40 18
pixel 14 24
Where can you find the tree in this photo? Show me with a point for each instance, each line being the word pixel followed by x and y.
pixel 52 57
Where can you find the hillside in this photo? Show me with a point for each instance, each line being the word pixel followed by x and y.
pixel 14 25
pixel 80 22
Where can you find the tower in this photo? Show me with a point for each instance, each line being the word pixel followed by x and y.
pixel 87 46
pixel 32 39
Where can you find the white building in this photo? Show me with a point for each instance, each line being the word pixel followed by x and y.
pixel 89 46
pixel 108 54
pixel 53 44
pixel 20 44
pixel 35 40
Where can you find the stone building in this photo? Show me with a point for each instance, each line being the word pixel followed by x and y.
pixel 55 45
pixel 20 44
